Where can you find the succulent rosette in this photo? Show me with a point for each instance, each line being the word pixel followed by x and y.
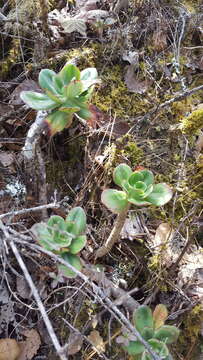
pixel 138 188
pixel 65 94
pixel 151 327
pixel 65 237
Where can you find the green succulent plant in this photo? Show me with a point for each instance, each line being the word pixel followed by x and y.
pixel 138 188
pixel 66 93
pixel 151 327
pixel 64 237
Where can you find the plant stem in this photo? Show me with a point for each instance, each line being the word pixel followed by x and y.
pixel 113 237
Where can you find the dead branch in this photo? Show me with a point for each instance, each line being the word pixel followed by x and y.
pixel 33 209
pixel 60 351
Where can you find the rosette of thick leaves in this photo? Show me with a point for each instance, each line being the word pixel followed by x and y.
pixel 138 189
pixel 151 327
pixel 66 93
pixel 64 237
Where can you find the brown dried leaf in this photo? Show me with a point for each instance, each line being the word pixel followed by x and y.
pixel 97 340
pixel 9 349
pixel 29 347
pixel 75 342
pixel 133 83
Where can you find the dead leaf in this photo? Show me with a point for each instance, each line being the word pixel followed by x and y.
pixel 6 158
pixel 72 24
pixel 97 341
pixel 26 85
pixel 29 348
pixel 75 342
pixel 162 235
pixel 23 287
pixel 133 83
pixel 9 349
pixel 160 315
pixel 131 228
pixel 159 39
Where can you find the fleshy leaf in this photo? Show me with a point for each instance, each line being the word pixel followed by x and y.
pixel 135 177
pixel 73 89
pixel 78 217
pixel 148 177
pixel 159 347
pixel 55 97
pixel 121 173
pixel 147 333
pixel 44 237
pixel 38 101
pixel 73 260
pixel 160 315
pixel 89 77
pixel 46 80
pixel 77 244
pixel 58 84
pixel 69 72
pixel 134 348
pixel 167 333
pixel 142 318
pixel 160 195
pixel 58 120
pixel 114 200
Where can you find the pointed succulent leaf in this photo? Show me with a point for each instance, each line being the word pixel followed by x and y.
pixel 78 217
pixel 58 84
pixel 114 200
pixel 73 260
pixel 69 72
pixel 74 89
pixel 142 318
pixel 159 347
pixel 58 120
pixel 160 195
pixel 89 74
pixel 46 80
pixel 121 173
pixel 160 315
pixel 167 333
pixel 77 244
pixel 147 333
pixel 38 101
pixel 134 348
pixel 55 97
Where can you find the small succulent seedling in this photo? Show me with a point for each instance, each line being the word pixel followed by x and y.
pixel 64 237
pixel 151 327
pixel 66 93
pixel 138 188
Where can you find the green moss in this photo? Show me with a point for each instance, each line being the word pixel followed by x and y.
pixel 113 96
pixel 194 122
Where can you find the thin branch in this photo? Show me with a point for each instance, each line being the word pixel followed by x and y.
pixel 51 332
pixel 33 209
